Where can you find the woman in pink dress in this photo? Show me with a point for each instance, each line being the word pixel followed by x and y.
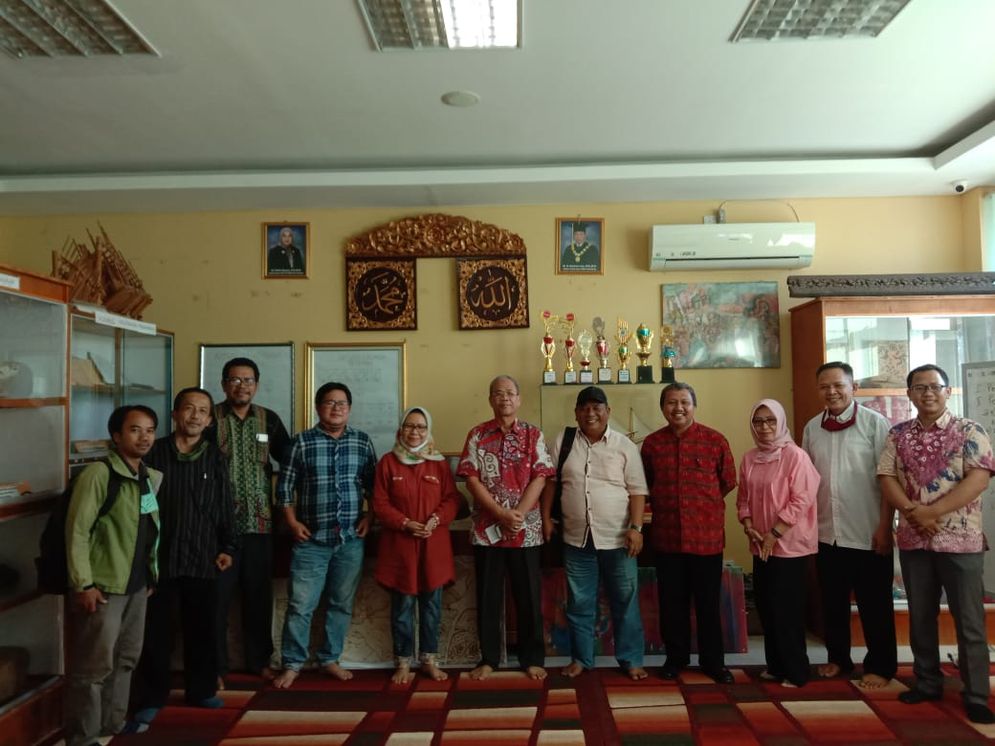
pixel 415 500
pixel 776 505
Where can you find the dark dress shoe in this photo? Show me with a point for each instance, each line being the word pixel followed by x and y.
pixel 917 697
pixel 978 713
pixel 670 673
pixel 721 676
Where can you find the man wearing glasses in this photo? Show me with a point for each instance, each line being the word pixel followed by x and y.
pixel 934 470
pixel 323 485
pixel 855 556
pixel 250 436
pixel 506 463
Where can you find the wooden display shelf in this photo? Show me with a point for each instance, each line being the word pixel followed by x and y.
pixel 44 401
pixel 19 600
pixel 34 716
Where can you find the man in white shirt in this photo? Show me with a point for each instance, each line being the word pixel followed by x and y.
pixel 855 528
pixel 604 491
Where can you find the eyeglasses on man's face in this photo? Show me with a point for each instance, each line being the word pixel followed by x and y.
pixel 240 381
pixel 922 388
pixel 504 394
pixel 335 404
pixel 764 422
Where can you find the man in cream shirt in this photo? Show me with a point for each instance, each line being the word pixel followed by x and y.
pixel 855 528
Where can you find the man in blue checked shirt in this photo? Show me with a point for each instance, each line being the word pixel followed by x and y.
pixel 330 468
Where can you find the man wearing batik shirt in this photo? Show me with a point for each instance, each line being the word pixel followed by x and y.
pixel 505 463
pixel 690 470
pixel 934 470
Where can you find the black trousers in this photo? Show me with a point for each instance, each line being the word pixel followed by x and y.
pixel 521 566
pixel 681 577
pixel 779 586
pixel 252 570
pixel 869 576
pixel 194 601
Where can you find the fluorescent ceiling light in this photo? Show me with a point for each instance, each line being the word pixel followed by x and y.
pixel 67 28
pixel 442 24
pixel 779 20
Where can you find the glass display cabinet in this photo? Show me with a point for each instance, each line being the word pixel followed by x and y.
pixel 33 437
pixel 111 366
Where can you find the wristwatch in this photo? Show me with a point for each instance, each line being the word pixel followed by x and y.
pixel 634 527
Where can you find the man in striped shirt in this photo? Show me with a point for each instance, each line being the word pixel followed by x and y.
pixel 330 470
pixel 197 541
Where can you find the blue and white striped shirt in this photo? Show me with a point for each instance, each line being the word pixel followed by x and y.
pixel 330 477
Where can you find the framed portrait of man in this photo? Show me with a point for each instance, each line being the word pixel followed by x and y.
pixel 285 250
pixel 580 246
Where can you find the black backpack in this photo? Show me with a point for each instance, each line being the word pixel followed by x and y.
pixel 52 563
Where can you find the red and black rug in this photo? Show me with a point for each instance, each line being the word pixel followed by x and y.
pixel 599 708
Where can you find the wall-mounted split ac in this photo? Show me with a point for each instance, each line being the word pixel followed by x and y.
pixel 732 246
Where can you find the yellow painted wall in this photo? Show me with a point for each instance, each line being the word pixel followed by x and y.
pixel 203 270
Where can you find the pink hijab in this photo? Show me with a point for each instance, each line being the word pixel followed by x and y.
pixel 767 452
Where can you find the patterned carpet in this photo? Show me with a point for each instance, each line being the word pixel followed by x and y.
pixel 599 708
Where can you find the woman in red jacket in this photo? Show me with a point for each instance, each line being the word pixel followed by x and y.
pixel 415 499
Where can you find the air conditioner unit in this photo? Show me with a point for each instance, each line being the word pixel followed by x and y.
pixel 732 246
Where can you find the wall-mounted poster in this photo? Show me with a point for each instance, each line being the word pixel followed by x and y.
pixel 285 250
pixel 580 246
pixel 724 324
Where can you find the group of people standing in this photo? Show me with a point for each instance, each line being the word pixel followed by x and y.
pixel 193 519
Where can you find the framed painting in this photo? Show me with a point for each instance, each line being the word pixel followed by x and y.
pixel 375 375
pixel 380 294
pixel 493 293
pixel 275 388
pixel 285 250
pixel 580 246
pixel 724 324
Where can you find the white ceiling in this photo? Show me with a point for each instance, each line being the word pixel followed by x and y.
pixel 263 104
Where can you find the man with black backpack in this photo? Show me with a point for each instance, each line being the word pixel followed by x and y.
pixel 111 558
pixel 602 491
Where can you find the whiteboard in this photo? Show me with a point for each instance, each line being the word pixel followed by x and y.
pixel 979 405
pixel 276 374
pixel 374 374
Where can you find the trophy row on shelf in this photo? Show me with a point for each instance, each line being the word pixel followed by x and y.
pixel 584 341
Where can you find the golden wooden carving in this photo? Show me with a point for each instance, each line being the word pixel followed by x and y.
pixel 100 274
pixel 436 235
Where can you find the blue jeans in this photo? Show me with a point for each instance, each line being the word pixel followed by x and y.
pixel 583 565
pixel 316 568
pixel 402 622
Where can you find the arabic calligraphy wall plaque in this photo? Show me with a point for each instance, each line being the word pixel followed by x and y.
pixel 380 294
pixel 493 293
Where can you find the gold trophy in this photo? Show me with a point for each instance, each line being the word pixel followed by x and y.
pixel 667 355
pixel 569 348
pixel 623 336
pixel 584 341
pixel 644 348
pixel 548 347
pixel 604 372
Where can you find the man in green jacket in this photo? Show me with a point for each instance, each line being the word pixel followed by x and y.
pixel 112 569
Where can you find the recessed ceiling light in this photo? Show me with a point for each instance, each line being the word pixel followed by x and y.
pixel 442 24
pixel 460 98
pixel 779 20
pixel 67 28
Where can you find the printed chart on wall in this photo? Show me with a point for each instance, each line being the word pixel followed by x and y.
pixel 979 405
pixel 374 374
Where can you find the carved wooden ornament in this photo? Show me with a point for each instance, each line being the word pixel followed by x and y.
pixel 493 293
pixel 436 235
pixel 380 294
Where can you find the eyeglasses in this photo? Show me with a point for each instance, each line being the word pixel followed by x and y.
pixel 415 428
pixel 922 388
pixel 335 404
pixel 238 381
pixel 504 394
pixel 765 422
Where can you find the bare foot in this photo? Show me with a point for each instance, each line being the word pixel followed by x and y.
pixel 267 673
pixel 768 676
pixel 337 672
pixel 433 672
pixel 481 672
pixel 402 675
pixel 535 672
pixel 636 673
pixel 872 681
pixel 788 685
pixel 574 669
pixel 286 678
pixel 828 670
pixel 221 683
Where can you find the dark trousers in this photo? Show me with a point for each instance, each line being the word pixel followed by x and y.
pixel 779 586
pixel 869 576
pixel 681 577
pixel 521 566
pixel 194 598
pixel 252 570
